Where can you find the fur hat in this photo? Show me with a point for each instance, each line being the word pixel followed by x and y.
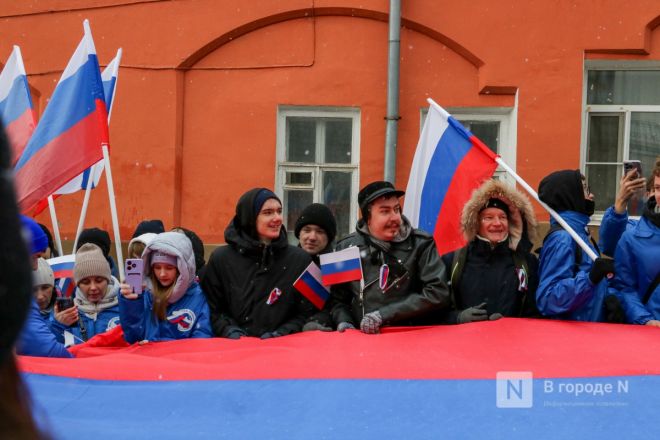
pixel 519 209
pixel 90 262
pixel 319 215
pixel 43 275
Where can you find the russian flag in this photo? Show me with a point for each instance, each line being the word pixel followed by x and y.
pixel 518 378
pixel 310 285
pixel 341 266
pixel 71 132
pixel 449 164
pixel 109 79
pixel 63 272
pixel 16 110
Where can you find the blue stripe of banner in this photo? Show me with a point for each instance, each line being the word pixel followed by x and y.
pixel 315 286
pixel 449 152
pixel 317 409
pixel 73 99
pixel 16 102
pixel 108 88
pixel 340 266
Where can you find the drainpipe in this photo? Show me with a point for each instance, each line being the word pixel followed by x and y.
pixel 392 117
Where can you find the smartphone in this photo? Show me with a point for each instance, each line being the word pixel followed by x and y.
pixel 134 268
pixel 632 164
pixel 64 303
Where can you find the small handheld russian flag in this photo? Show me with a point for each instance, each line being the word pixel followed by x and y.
pixel 341 266
pixel 63 272
pixel 310 285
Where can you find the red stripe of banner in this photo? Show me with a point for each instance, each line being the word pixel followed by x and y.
pixel 342 277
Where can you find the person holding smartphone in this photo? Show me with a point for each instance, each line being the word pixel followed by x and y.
pixel 173 305
pixel 95 306
pixel 615 219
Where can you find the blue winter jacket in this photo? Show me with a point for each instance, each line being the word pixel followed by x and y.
pixel 612 227
pixel 186 318
pixel 637 263
pixel 93 324
pixel 36 339
pixel 562 293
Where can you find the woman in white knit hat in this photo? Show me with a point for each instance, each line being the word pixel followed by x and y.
pixel 96 306
pixel 43 287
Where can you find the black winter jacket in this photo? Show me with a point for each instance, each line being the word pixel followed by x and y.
pixel 417 282
pixel 239 278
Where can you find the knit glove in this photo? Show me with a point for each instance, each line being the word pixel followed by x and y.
pixel 495 316
pixel 371 323
pixel 614 312
pixel 602 267
pixel 234 332
pixel 343 326
pixel 313 325
pixel 473 314
pixel 269 335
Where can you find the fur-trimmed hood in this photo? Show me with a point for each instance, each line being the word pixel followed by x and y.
pixel 520 210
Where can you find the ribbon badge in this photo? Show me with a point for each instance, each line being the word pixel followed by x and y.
pixel 384 274
pixel 522 279
pixel 274 296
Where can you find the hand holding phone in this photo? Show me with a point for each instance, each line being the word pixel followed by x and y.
pixel 629 165
pixel 64 303
pixel 65 312
pixel 134 268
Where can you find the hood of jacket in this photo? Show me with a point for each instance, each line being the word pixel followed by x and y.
pixel 562 191
pixel 144 239
pixel 179 246
pixel 522 221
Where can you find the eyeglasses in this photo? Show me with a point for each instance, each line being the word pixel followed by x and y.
pixel 585 187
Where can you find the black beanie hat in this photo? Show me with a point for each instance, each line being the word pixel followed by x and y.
pixel 95 236
pixel 154 226
pixel 494 202
pixel 319 215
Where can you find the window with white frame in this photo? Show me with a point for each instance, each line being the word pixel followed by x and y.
pixel 494 126
pixel 622 122
pixel 317 162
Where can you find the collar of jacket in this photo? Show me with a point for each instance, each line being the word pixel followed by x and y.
pixel 575 220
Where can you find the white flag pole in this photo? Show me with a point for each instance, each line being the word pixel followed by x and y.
pixel 585 247
pixel 533 193
pixel 56 227
pixel 113 212
pixel 83 211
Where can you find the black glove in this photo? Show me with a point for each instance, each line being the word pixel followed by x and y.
pixel 343 326
pixel 613 310
pixel 269 335
pixel 234 332
pixel 473 314
pixel 313 325
pixel 602 267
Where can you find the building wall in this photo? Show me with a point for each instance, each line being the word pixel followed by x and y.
pixel 194 122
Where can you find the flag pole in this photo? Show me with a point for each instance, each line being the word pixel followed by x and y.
pixel 552 212
pixel 56 227
pixel 113 212
pixel 83 211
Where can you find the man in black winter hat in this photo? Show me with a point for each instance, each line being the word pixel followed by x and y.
pixel 316 229
pixel 404 279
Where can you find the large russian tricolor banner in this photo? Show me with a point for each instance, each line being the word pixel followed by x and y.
pixel 80 182
pixel 505 379
pixel 341 266
pixel 16 110
pixel 310 284
pixel 71 132
pixel 449 164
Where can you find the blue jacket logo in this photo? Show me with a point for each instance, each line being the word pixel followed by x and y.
pixel 184 319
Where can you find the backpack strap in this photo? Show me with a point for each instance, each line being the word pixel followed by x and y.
pixel 457 266
pixel 651 288
pixel 578 249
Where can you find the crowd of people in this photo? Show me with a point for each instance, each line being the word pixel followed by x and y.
pixel 247 287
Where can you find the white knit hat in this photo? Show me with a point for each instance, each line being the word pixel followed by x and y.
pixel 43 275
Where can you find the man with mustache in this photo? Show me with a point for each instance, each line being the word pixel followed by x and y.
pixel 404 280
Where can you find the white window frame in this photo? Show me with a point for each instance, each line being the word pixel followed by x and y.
pixel 282 166
pixel 508 138
pixel 617 109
